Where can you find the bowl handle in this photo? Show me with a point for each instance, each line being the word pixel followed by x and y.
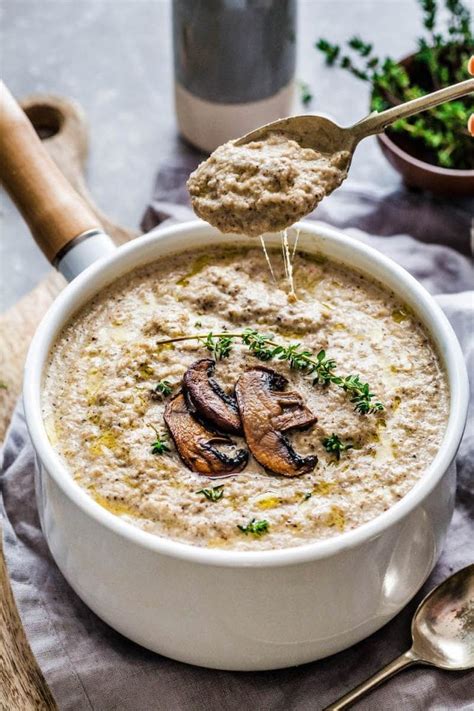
pixel 57 216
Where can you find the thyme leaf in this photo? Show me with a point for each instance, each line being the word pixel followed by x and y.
pixel 164 387
pixel 333 445
pixel 257 528
pixel 306 95
pixel 160 445
pixel 360 394
pixel 213 494
pixel 219 346
pixel 331 51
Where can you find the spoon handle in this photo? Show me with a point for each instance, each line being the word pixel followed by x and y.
pixel 378 122
pixel 404 660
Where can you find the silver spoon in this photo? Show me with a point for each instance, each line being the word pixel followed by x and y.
pixel 325 136
pixel 442 631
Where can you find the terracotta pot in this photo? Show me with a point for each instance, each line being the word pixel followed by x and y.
pixel 426 176
pixel 416 172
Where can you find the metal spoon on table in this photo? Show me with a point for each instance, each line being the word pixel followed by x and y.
pixel 442 632
pixel 325 136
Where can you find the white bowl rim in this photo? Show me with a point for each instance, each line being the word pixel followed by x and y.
pixel 37 358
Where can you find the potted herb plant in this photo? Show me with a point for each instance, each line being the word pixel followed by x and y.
pixel 432 150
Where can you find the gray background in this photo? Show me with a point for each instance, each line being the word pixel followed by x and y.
pixel 115 58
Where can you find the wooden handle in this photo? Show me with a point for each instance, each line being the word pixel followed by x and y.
pixel 52 209
pixel 62 126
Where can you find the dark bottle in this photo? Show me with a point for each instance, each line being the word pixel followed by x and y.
pixel 234 66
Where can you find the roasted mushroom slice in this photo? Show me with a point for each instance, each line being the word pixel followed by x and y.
pixel 197 447
pixel 208 400
pixel 266 412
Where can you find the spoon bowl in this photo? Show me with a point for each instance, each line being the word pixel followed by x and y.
pixel 310 131
pixel 271 177
pixel 443 625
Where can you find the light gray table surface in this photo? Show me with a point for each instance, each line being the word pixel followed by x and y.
pixel 115 58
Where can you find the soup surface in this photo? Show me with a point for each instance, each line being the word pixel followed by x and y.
pixel 104 413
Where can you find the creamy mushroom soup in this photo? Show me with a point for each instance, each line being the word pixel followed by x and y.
pixel 263 186
pixel 244 439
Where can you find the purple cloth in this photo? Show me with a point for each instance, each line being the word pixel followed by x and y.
pixel 89 666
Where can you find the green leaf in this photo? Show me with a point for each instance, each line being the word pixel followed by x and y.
pixel 429 13
pixel 361 47
pixel 160 446
pixel 257 528
pixel 330 50
pixel 214 494
pixel 305 93
pixel 220 347
pixel 164 387
pixel 333 445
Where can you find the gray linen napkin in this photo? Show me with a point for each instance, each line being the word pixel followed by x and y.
pixel 89 666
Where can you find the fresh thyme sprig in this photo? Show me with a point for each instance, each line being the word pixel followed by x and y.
pixel 439 135
pixel 295 354
pixel 214 494
pixel 319 367
pixel 160 445
pixel 258 528
pixel 164 387
pixel 333 445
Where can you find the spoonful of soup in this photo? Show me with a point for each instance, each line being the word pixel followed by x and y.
pixel 273 176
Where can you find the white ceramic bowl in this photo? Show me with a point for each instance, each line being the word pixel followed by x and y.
pixel 237 609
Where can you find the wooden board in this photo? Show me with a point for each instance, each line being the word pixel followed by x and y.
pixel 61 124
